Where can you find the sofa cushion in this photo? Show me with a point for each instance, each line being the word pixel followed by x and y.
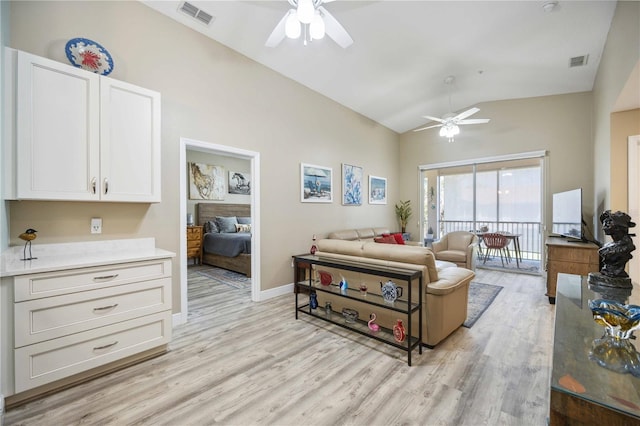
pixel 449 280
pixel 459 240
pixel 365 233
pixel 347 234
pixel 351 248
pixel 404 254
pixel 455 256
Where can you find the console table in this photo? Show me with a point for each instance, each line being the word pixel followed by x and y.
pixel 582 391
pixel 570 257
pixel 406 307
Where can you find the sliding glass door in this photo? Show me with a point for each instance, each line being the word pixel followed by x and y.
pixel 487 196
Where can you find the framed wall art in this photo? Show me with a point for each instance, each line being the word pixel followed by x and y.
pixel 316 183
pixel 351 185
pixel 377 190
pixel 239 183
pixel 206 182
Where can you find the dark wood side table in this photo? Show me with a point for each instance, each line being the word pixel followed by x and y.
pixel 582 391
pixel 194 244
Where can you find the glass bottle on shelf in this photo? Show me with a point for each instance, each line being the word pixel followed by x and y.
pixel 314 248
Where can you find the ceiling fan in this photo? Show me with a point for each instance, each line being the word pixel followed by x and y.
pixel 449 122
pixel 314 19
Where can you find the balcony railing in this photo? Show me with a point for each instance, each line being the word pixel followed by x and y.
pixel 529 233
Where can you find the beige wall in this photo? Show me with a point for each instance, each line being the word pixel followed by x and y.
pixel 623 125
pixel 620 56
pixel 210 93
pixel 559 124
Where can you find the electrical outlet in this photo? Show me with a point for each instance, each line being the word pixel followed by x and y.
pixel 96 225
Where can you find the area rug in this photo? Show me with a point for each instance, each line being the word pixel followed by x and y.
pixel 224 276
pixel 480 297
pixel 526 266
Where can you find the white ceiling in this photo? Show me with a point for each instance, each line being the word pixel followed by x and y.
pixel 394 72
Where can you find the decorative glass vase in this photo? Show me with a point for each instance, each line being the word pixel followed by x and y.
pixel 398 331
pixel 313 300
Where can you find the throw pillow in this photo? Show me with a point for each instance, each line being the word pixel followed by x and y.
pixel 210 227
pixel 389 239
pixel 398 237
pixel 243 227
pixel 244 220
pixel 226 224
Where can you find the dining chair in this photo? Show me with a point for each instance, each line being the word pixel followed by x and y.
pixel 498 244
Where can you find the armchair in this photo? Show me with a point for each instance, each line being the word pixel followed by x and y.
pixel 459 247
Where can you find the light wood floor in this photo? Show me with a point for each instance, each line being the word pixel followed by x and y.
pixel 241 363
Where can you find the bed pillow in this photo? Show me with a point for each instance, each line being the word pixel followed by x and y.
pixel 243 227
pixel 226 224
pixel 244 220
pixel 210 227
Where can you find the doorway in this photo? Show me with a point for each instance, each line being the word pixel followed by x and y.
pixel 634 198
pixel 215 149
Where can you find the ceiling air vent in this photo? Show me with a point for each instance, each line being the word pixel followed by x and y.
pixel 194 12
pixel 578 61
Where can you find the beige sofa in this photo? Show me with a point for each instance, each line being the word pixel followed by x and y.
pixel 445 294
pixel 363 234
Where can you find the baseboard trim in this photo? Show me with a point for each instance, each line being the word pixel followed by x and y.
pixel 275 292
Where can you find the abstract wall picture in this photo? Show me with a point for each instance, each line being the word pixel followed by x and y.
pixel 377 190
pixel 351 185
pixel 239 183
pixel 316 184
pixel 206 182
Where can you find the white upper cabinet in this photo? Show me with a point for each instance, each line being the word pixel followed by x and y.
pixel 129 142
pixel 83 137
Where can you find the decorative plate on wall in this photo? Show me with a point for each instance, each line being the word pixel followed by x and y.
pixel 89 55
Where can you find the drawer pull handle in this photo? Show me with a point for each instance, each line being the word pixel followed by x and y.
pixel 97 348
pixel 104 308
pixel 106 277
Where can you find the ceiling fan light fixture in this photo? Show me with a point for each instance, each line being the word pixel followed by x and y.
pixel 292 27
pixel 305 11
pixel 317 28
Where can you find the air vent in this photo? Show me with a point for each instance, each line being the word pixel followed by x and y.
pixel 578 61
pixel 199 14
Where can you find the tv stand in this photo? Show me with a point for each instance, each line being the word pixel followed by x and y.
pixel 571 257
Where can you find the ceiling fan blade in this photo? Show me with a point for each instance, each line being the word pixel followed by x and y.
pixel 465 114
pixel 439 120
pixel 278 34
pixel 428 127
pixel 334 30
pixel 475 121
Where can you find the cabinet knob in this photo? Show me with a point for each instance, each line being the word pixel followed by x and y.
pixel 106 186
pixel 93 185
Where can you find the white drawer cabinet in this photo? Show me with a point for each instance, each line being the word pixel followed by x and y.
pixel 72 321
pixel 56 359
pixel 36 286
pixel 52 317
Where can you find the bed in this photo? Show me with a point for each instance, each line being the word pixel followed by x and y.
pixel 226 250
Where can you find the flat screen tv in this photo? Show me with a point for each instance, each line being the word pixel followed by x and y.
pixel 567 214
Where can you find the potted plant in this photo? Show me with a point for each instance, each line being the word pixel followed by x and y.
pixel 403 211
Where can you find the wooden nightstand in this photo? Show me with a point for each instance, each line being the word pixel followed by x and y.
pixel 194 243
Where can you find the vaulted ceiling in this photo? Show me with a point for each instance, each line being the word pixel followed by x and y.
pixel 402 52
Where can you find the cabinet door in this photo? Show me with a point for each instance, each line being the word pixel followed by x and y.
pixel 129 142
pixel 57 130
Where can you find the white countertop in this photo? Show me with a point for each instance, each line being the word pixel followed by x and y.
pixel 58 257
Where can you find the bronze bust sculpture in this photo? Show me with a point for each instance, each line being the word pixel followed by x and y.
pixel 617 253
